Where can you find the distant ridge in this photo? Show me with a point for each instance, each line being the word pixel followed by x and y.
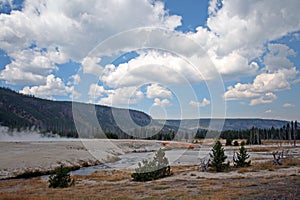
pixel 24 111
pixel 229 123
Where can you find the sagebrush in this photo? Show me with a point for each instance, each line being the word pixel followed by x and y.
pixel 156 168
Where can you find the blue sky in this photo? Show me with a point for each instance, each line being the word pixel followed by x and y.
pixel 171 59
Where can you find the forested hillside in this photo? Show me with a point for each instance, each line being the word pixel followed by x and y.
pixel 20 111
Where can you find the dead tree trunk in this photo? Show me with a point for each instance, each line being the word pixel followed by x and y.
pixel 204 164
pixel 278 156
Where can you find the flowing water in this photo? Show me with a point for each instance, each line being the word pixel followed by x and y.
pixel 130 160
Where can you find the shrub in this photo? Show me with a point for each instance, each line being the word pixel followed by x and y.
pixel 218 157
pixel 243 143
pixel 111 136
pixel 61 178
pixel 241 157
pixel 228 142
pixel 235 143
pixel 156 168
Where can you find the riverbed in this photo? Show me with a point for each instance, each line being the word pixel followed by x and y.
pixel 176 157
pixel 21 157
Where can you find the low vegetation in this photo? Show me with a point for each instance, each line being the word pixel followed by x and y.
pixel 61 178
pixel 261 180
pixel 240 158
pixel 280 186
pixel 156 168
pixel 236 143
pixel 228 141
pixel 218 158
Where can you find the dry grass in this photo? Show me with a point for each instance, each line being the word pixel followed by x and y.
pixel 261 166
pixel 285 142
pixel 109 175
pixel 291 162
pixel 261 149
pixel 270 166
pixel 115 184
pixel 258 148
pixel 184 169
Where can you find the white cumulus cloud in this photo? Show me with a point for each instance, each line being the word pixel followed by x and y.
pixel 162 103
pixel 69 30
pixel 203 103
pixel 97 91
pixel 262 88
pixel 54 87
pixel 264 99
pixel 122 96
pixel 30 66
pixel 288 105
pixel 74 79
pixel 91 65
pixel 157 91
pixel 238 40
pixel 152 66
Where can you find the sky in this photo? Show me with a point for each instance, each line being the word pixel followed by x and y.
pixel 170 59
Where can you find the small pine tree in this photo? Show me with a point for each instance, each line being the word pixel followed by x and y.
pixel 218 157
pixel 228 142
pixel 235 143
pixel 61 178
pixel 156 168
pixel 228 139
pixel 241 157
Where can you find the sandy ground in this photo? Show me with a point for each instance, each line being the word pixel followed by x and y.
pixel 21 157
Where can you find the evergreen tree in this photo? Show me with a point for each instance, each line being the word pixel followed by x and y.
pixel 288 134
pixel 295 132
pixel 292 130
pixel 61 178
pixel 241 157
pixel 229 139
pixel 235 143
pixel 243 143
pixel 218 157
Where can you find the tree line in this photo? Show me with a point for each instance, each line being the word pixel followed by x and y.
pixel 289 132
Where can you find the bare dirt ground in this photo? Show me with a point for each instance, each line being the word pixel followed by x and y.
pixel 262 180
